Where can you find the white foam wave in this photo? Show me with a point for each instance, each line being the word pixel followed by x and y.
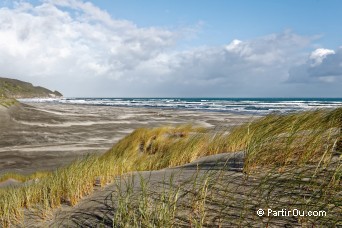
pixel 241 106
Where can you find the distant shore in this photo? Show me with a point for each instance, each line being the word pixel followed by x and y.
pixel 45 136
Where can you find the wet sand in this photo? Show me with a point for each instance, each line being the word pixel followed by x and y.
pixel 40 136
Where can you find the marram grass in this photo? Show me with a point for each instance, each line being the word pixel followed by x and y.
pixel 273 141
pixel 211 198
pixel 280 140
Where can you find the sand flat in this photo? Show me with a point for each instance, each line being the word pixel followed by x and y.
pixel 42 136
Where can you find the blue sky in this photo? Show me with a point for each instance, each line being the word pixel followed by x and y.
pixel 175 48
pixel 224 20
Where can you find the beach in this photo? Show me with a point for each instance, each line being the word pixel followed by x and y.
pixel 45 136
pixel 152 167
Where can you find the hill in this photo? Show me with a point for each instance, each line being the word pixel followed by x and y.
pixel 13 88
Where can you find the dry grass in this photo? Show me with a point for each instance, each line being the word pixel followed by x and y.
pixel 214 198
pixel 281 140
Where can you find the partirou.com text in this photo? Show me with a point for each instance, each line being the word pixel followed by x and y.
pixel 293 212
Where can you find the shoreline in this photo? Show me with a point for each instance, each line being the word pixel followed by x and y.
pixel 244 106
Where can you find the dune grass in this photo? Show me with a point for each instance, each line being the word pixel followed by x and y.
pixel 7 102
pixel 275 141
pixel 280 140
pixel 213 198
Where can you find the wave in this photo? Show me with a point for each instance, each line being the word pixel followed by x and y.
pixel 260 106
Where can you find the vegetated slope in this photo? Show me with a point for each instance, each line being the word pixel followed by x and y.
pixel 13 88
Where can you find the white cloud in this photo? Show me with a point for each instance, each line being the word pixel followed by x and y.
pixel 323 65
pixel 46 40
pixel 234 46
pixel 319 54
pixel 81 50
pixel 241 68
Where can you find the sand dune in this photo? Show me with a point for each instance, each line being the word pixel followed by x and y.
pixel 95 209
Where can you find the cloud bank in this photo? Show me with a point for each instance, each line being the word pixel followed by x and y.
pixel 82 50
pixel 323 66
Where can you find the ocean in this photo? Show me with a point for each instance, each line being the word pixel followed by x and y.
pixel 259 106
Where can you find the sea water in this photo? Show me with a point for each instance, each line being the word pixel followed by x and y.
pixel 260 106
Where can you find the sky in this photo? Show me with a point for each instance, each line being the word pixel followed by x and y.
pixel 194 48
